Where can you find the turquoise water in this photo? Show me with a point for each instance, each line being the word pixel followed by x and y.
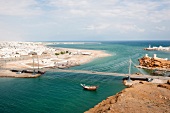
pixel 56 92
pixel 121 53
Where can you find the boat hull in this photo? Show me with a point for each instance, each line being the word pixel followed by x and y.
pixel 90 88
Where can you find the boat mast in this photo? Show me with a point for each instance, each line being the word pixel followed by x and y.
pixel 38 63
pixel 130 66
pixel 33 65
pixel 130 61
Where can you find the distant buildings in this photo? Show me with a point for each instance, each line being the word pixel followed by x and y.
pixel 18 49
pixel 160 48
pixel 155 57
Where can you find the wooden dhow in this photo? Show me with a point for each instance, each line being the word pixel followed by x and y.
pixel 91 88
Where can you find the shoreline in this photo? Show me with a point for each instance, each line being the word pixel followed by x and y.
pixel 140 92
pixel 137 97
pixel 51 59
pixel 142 87
pixel 8 73
pixel 56 58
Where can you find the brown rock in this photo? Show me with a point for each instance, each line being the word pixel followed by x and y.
pixel 156 63
pixel 168 82
pixel 143 98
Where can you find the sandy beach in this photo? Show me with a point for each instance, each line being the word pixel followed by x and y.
pixel 56 58
pixel 52 60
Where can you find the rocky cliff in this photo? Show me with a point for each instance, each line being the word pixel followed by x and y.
pixel 154 62
pixel 140 98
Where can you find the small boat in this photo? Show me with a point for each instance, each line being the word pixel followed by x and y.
pixel 92 88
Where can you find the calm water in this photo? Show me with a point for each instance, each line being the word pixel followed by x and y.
pixel 61 92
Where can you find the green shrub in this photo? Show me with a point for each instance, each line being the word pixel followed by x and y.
pixel 57 53
pixel 62 52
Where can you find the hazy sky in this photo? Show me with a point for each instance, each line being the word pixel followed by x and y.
pixel 61 20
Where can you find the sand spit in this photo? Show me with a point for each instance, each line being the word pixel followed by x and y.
pixel 31 56
pixel 56 61
pixel 143 97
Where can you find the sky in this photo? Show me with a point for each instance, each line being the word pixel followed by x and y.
pixel 84 20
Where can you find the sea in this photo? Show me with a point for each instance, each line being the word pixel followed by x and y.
pixel 60 92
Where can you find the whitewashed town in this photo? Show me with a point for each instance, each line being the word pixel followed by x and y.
pixel 160 48
pixel 37 55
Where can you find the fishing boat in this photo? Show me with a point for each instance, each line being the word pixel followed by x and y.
pixel 91 88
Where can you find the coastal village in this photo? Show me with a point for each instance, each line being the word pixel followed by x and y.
pixel 30 59
pixel 85 56
pixel 141 95
pixel 36 55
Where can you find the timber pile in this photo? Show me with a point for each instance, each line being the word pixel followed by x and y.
pixel 154 62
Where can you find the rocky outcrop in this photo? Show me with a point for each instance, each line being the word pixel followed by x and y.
pixel 168 82
pixel 154 62
pixel 140 98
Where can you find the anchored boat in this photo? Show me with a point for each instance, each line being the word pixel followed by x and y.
pixel 92 88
